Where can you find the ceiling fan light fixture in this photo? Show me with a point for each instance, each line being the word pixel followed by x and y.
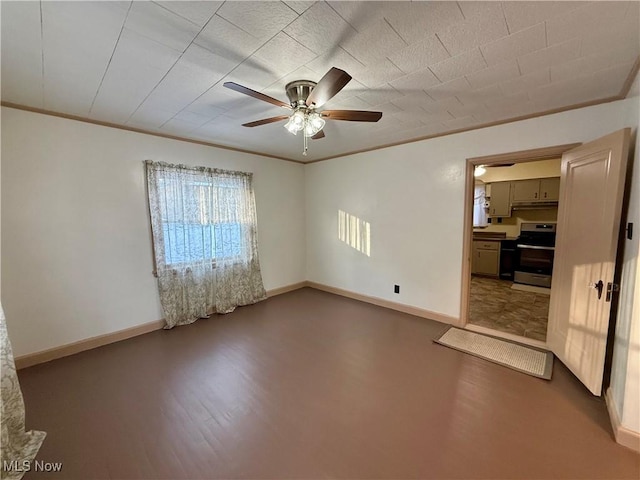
pixel 313 124
pixel 479 171
pixel 309 122
pixel 296 122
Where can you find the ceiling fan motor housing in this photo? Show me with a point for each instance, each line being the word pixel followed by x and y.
pixel 299 91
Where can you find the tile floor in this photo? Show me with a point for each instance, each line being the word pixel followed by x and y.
pixel 494 304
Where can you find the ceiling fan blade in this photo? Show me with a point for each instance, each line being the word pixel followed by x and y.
pixel 264 121
pixel 332 82
pixel 318 135
pixel 258 95
pixel 352 115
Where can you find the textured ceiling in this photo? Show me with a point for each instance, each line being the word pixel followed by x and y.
pixel 430 67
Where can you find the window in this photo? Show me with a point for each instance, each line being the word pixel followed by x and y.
pixel 479 210
pixel 199 214
pixel 203 222
pixel 200 232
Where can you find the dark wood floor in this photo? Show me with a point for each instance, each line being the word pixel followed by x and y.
pixel 312 385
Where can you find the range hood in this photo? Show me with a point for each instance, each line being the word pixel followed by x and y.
pixel 538 205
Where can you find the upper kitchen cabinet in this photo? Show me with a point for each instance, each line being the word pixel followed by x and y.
pixel 500 201
pixel 536 190
pixel 550 188
pixel 526 190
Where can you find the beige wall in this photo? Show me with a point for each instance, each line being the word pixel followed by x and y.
pixel 523 171
pixel 511 225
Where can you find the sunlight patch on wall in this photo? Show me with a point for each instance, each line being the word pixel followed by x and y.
pixel 355 232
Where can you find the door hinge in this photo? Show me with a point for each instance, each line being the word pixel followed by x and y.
pixel 611 287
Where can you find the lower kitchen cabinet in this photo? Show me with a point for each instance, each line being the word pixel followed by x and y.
pixel 485 259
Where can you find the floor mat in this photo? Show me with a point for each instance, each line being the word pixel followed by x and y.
pixel 529 360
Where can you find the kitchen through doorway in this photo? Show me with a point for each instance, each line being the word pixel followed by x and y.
pixel 510 239
pixel 496 305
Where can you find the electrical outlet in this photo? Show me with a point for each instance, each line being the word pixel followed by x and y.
pixel 396 289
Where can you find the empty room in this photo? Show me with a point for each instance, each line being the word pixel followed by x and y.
pixel 320 239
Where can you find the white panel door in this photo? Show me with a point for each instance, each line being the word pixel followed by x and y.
pixel 591 191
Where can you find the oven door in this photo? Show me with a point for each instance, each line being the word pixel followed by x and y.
pixel 535 258
pixel 535 264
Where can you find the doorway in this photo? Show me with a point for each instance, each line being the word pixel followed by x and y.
pixel 499 297
pixel 590 199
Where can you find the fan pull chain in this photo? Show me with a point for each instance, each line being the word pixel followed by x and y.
pixel 305 143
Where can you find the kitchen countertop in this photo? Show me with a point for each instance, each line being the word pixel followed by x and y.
pixel 492 236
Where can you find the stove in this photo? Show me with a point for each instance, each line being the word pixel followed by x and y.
pixel 535 249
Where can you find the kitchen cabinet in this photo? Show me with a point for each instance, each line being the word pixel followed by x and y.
pixel 536 190
pixel 500 201
pixel 526 190
pixel 485 259
pixel 550 189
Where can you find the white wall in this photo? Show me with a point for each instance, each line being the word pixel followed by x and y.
pixel 76 245
pixel 625 375
pixel 412 195
pixel 76 257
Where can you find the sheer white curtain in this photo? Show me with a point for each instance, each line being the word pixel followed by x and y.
pixel 479 212
pixel 18 446
pixel 205 240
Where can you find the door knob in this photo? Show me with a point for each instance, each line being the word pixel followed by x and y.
pixel 598 286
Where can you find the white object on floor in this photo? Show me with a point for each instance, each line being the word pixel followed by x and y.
pixel 19 446
pixel 531 288
pixel 521 358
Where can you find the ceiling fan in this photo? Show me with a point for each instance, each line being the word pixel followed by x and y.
pixel 306 98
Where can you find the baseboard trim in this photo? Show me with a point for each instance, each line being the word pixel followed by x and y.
pixel 623 435
pixel 381 302
pixel 287 288
pixel 54 353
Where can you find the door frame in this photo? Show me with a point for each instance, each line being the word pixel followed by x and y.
pixel 522 156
